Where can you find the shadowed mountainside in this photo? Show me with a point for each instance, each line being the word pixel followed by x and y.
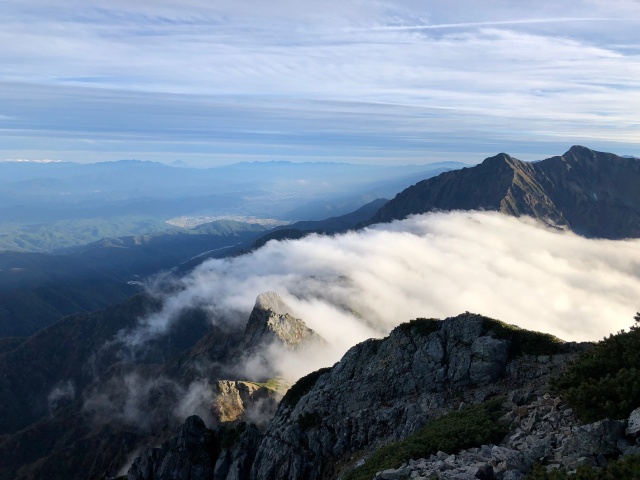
pixel 592 193
pixel 77 402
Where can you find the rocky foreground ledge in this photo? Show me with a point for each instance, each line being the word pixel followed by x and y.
pixel 545 431
pixel 331 421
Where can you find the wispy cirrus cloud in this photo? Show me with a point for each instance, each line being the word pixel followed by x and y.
pixel 504 75
pixel 496 23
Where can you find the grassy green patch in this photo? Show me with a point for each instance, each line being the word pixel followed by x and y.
pixel 302 387
pixel 604 381
pixel 523 341
pixel 474 426
pixel 627 468
pixel 274 384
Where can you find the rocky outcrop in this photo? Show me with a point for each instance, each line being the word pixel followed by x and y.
pixel 244 401
pixel 384 390
pixel 545 431
pixel 633 427
pixel 190 455
pixel 271 322
pixel 594 194
pixel 199 453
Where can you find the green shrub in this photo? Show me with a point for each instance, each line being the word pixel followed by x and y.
pixel 420 326
pixel 604 381
pixel 523 341
pixel 627 468
pixel 474 426
pixel 302 387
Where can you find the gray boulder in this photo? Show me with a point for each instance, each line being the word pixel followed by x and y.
pixel 633 424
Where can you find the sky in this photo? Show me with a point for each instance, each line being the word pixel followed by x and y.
pixel 383 82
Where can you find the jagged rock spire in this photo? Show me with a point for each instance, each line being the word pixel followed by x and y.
pixel 270 321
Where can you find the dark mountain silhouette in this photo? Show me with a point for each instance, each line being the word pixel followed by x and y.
pixel 594 194
pixel 328 226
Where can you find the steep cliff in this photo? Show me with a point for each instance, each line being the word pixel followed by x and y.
pixel 85 417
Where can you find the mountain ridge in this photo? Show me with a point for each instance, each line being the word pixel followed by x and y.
pixel 592 193
pixel 381 390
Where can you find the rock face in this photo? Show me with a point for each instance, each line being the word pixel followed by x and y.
pixel 634 423
pixel 199 453
pixel 270 322
pixel 544 431
pixel 190 455
pixel 385 389
pixel 237 401
pixel 594 194
pixel 39 434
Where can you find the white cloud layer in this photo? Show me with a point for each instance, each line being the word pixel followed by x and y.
pixel 361 284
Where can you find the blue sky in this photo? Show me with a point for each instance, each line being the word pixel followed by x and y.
pixel 399 81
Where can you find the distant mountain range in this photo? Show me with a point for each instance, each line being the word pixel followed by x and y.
pixel 592 193
pixel 42 193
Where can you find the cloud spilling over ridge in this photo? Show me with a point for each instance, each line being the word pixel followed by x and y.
pixel 361 284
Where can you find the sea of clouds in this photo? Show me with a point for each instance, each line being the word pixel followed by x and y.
pixel 361 284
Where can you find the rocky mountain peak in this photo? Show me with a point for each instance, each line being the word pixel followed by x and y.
pixel 273 302
pixel 270 321
pixel 593 193
pixel 386 389
pixel 579 150
pixel 501 159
